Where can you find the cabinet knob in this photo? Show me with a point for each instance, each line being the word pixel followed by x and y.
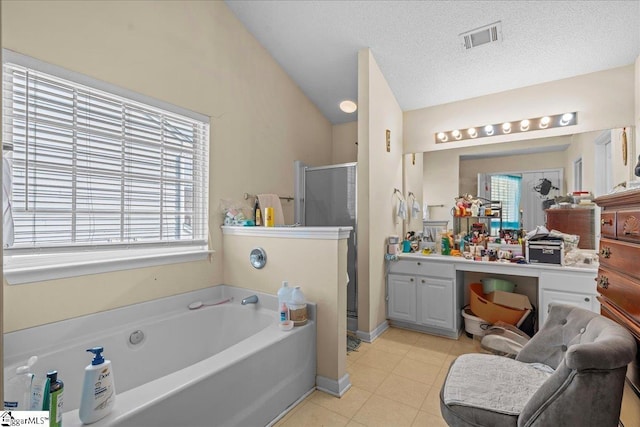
pixel 411 280
pixel 419 263
pixel 587 299
pixel 423 281
pixel 606 221
pixel 605 252
pixel 603 282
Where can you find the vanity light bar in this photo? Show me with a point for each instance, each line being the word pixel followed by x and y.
pixel 538 123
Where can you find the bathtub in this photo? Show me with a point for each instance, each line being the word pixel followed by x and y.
pixel 223 365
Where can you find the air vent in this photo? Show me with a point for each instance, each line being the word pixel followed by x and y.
pixel 481 36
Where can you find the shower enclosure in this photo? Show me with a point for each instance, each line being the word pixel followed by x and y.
pixel 326 196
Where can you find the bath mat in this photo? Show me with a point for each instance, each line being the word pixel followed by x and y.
pixel 352 343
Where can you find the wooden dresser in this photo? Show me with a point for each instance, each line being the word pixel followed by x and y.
pixel 579 221
pixel 618 277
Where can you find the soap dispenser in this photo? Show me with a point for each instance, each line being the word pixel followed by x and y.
pixel 98 390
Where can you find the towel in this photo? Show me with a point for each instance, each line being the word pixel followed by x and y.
pixel 272 201
pixel 415 209
pixel 402 209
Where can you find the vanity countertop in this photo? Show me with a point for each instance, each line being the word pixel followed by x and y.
pixel 290 232
pixel 496 266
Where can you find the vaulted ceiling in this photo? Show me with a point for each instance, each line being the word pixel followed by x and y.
pixel 419 47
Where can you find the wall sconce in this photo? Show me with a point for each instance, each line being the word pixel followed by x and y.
pixel 517 126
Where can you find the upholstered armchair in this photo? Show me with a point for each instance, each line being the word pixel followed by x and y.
pixel 571 373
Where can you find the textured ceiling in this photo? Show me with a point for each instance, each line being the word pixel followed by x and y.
pixel 417 45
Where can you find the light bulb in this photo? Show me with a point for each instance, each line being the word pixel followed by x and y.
pixel 566 118
pixel 488 129
pixel 544 122
pixel 442 137
pixel 506 127
pixel 472 132
pixel 524 125
pixel 456 134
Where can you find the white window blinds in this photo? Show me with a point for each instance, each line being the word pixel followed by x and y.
pixel 95 169
pixel 506 188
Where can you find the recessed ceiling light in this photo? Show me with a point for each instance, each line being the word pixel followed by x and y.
pixel 348 106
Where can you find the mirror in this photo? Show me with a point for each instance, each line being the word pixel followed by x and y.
pixel 595 157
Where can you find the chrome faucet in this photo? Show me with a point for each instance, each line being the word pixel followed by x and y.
pixel 253 299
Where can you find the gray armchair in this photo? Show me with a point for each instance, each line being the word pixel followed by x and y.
pixel 571 373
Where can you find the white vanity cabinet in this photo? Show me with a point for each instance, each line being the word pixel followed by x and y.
pixel 575 288
pixel 422 295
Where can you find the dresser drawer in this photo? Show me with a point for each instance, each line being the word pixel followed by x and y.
pixel 620 256
pixel 424 268
pixel 608 224
pixel 622 291
pixel 628 225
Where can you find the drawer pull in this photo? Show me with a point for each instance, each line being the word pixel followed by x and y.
pixel 419 263
pixel 605 252
pixel 606 221
pixel 411 280
pixel 603 282
pixel 587 299
pixel 423 281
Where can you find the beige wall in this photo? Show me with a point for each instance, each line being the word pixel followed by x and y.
pixel 413 170
pixel 344 143
pixel 379 172
pixel 603 100
pixel 323 283
pixel 193 54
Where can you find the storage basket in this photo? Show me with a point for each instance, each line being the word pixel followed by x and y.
pixel 490 311
pixel 472 324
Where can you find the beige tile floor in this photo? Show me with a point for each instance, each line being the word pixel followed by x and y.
pixel 395 382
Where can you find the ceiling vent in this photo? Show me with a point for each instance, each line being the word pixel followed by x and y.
pixel 488 34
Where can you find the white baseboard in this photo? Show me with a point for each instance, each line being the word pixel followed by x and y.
pixel 371 336
pixel 334 387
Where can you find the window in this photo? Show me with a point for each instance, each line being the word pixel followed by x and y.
pixel 93 171
pixel 506 188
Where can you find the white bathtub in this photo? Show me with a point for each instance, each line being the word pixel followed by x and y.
pixel 226 365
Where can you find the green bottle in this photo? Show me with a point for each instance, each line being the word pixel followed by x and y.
pixel 56 390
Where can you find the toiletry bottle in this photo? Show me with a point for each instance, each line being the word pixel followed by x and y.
pixel 56 391
pixel 17 393
pixel 298 307
pixel 284 297
pixel 257 213
pixel 98 390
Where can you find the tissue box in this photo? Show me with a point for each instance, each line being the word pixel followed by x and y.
pixel 545 252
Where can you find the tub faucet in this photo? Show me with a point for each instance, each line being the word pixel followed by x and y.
pixel 253 299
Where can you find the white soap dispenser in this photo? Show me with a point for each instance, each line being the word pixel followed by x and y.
pixel 98 390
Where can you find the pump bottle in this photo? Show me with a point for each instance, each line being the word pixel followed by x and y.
pixel 17 394
pixel 56 391
pixel 98 391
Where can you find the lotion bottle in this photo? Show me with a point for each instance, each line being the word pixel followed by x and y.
pixel 98 390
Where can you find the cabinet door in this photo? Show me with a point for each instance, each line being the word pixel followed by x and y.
pixel 402 297
pixel 567 287
pixel 586 301
pixel 435 302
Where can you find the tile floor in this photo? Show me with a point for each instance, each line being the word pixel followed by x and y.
pixel 395 381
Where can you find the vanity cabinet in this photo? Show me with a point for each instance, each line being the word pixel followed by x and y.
pixel 574 288
pixel 422 295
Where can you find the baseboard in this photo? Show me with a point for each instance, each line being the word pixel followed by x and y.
pixel 371 336
pixel 334 387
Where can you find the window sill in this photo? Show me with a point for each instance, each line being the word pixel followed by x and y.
pixel 19 269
